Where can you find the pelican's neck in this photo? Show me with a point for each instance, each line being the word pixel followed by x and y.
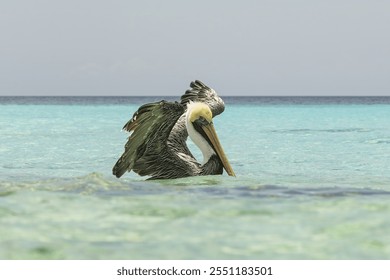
pixel 198 139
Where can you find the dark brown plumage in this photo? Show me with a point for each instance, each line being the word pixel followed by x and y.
pixel 157 144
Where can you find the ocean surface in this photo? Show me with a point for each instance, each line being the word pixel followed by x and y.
pixel 313 182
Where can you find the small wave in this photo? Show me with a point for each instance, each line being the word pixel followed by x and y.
pixel 93 182
pixel 280 191
pixel 333 130
pixel 378 141
pixel 219 186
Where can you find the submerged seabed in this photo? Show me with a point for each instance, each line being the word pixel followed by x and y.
pixel 312 183
pixel 93 217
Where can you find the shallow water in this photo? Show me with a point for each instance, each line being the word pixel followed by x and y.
pixel 313 182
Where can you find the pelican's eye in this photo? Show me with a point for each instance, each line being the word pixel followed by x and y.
pixel 202 121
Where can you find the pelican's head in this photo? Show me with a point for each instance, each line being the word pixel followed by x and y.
pixel 201 130
pixel 199 111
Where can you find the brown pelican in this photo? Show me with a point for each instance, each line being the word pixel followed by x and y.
pixel 157 144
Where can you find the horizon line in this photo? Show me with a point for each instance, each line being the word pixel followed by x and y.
pixel 146 96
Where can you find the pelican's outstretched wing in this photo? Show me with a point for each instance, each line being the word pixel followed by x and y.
pixel 150 128
pixel 199 92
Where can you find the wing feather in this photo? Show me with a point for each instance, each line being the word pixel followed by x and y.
pixel 150 127
pixel 199 92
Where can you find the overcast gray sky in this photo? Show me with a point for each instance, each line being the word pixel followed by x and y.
pixel 263 47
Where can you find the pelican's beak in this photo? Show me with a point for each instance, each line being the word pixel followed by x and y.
pixel 212 135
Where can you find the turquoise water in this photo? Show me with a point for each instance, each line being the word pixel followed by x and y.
pixel 313 182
